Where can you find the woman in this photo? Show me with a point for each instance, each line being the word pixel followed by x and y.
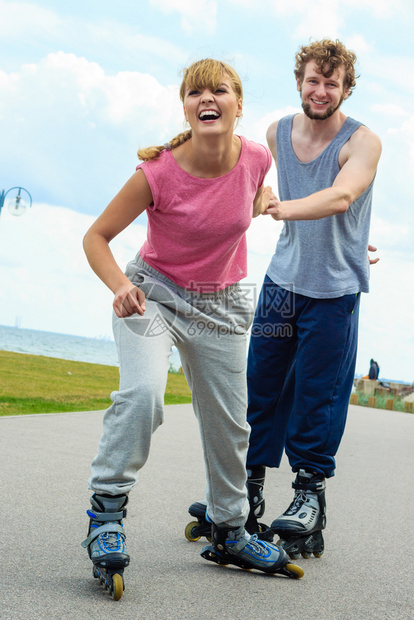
pixel 200 192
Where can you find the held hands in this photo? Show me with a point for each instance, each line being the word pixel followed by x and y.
pixel 129 300
pixel 263 200
pixel 273 206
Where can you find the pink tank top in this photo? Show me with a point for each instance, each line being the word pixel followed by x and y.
pixel 196 227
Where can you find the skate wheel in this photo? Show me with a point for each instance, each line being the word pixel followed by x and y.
pixel 95 572
pixel 318 554
pixel 117 587
pixel 213 557
pixel 305 555
pixel 296 572
pixel 189 531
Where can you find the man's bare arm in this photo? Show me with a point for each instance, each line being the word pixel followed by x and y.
pixel 271 139
pixel 362 154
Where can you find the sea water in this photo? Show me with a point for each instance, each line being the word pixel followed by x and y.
pixel 65 346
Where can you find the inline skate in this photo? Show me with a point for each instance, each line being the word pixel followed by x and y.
pixel 202 527
pixel 106 541
pixel 255 483
pixel 300 527
pixel 236 546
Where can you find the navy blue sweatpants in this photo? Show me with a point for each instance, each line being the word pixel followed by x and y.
pixel 300 374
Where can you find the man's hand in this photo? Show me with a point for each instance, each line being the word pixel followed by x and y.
pixel 372 261
pixel 275 208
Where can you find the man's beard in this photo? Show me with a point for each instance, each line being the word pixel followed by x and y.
pixel 320 116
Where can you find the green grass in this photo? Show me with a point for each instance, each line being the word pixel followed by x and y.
pixel 381 401
pixel 37 384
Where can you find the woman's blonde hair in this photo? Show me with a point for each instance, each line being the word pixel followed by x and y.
pixel 203 73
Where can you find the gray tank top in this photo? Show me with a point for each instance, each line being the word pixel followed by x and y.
pixel 320 258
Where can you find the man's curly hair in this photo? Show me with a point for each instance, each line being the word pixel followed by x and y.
pixel 329 56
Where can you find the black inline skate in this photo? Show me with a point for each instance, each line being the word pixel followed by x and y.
pixel 202 527
pixel 255 483
pixel 236 546
pixel 300 527
pixel 106 541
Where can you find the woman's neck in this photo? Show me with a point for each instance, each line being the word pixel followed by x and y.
pixel 208 158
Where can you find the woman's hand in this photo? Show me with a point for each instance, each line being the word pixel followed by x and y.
pixel 129 300
pixel 263 200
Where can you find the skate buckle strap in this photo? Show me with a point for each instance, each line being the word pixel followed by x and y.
pixel 238 545
pixel 317 485
pixel 106 516
pixel 97 531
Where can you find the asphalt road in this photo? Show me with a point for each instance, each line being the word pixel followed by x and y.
pixel 367 570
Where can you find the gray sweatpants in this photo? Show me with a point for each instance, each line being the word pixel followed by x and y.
pixel 209 330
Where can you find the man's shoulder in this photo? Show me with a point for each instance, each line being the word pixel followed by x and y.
pixel 362 149
pixel 365 138
pixel 271 134
pixel 363 132
pixel 273 126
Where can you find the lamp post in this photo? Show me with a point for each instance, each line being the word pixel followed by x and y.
pixel 18 206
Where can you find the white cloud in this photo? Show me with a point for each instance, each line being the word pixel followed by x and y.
pixel 327 18
pixel 18 19
pixel 393 193
pixel 8 82
pixel 386 326
pixel 118 98
pixel 391 71
pixel 403 138
pixel 257 127
pixel 392 110
pixel 108 39
pixel 321 19
pixel 331 9
pixel 45 277
pixel 73 129
pixel 358 44
pixel 382 9
pixel 390 234
pixel 200 15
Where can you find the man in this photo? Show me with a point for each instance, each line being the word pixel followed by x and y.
pixel 304 338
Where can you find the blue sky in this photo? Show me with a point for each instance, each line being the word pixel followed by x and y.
pixel 84 84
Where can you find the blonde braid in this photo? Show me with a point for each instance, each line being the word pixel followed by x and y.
pixel 152 152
